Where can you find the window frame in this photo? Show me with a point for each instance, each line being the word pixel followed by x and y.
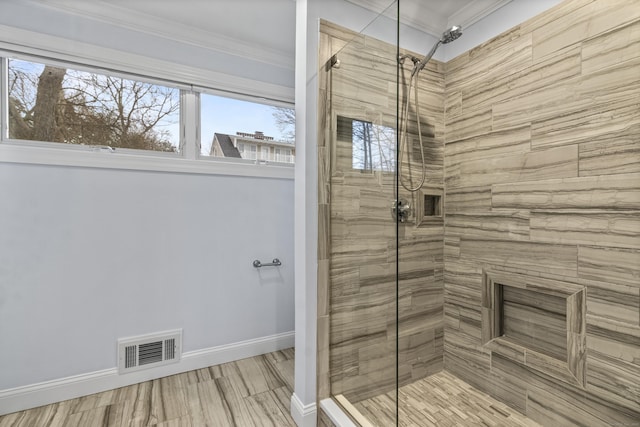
pixel 187 160
pixel 246 98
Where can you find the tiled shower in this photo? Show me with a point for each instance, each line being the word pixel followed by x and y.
pixel 519 269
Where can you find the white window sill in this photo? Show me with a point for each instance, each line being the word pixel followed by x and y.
pixel 12 153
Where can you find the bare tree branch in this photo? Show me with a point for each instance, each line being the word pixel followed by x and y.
pixel 285 121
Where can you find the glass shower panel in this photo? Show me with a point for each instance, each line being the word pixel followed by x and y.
pixel 420 189
pixel 357 163
pixel 538 304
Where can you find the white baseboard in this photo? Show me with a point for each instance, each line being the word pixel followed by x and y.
pixel 303 415
pixel 45 393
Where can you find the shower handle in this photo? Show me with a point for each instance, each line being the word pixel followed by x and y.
pixel 400 210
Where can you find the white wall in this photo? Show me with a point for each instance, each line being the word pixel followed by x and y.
pixel 90 255
pixel 34 16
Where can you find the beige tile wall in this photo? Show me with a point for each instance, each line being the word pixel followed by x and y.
pixel 542 157
pixel 534 137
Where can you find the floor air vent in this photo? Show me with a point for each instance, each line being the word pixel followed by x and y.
pixel 148 351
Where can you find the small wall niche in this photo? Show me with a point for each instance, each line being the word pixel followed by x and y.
pixel 431 205
pixel 428 205
pixel 536 322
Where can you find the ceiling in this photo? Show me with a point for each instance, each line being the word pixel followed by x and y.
pixel 434 16
pixel 260 29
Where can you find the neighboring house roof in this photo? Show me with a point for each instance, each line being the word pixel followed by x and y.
pixel 226 145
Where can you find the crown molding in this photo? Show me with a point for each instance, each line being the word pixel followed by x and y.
pixel 474 12
pixel 377 6
pixel 116 15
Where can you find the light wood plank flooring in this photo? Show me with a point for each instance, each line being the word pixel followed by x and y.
pixel 441 400
pixel 257 392
pixel 244 393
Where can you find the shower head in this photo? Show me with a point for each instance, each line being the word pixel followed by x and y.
pixel 447 37
pixel 451 34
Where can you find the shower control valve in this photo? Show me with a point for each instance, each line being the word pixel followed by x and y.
pixel 400 210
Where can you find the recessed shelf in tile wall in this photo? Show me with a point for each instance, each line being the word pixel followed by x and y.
pixel 428 205
pixel 431 205
pixel 536 322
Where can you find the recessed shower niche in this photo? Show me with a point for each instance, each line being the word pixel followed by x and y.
pixel 428 206
pixel 537 322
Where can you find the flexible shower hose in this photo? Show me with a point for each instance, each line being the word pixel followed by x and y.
pixel 404 137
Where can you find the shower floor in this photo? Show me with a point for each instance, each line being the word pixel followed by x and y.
pixel 441 400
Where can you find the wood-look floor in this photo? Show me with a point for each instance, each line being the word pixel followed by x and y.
pixel 440 400
pixel 249 392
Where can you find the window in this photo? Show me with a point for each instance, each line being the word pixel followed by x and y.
pixel 247 151
pixel 264 153
pixel 283 155
pixel 60 104
pixel 48 104
pixel 227 122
